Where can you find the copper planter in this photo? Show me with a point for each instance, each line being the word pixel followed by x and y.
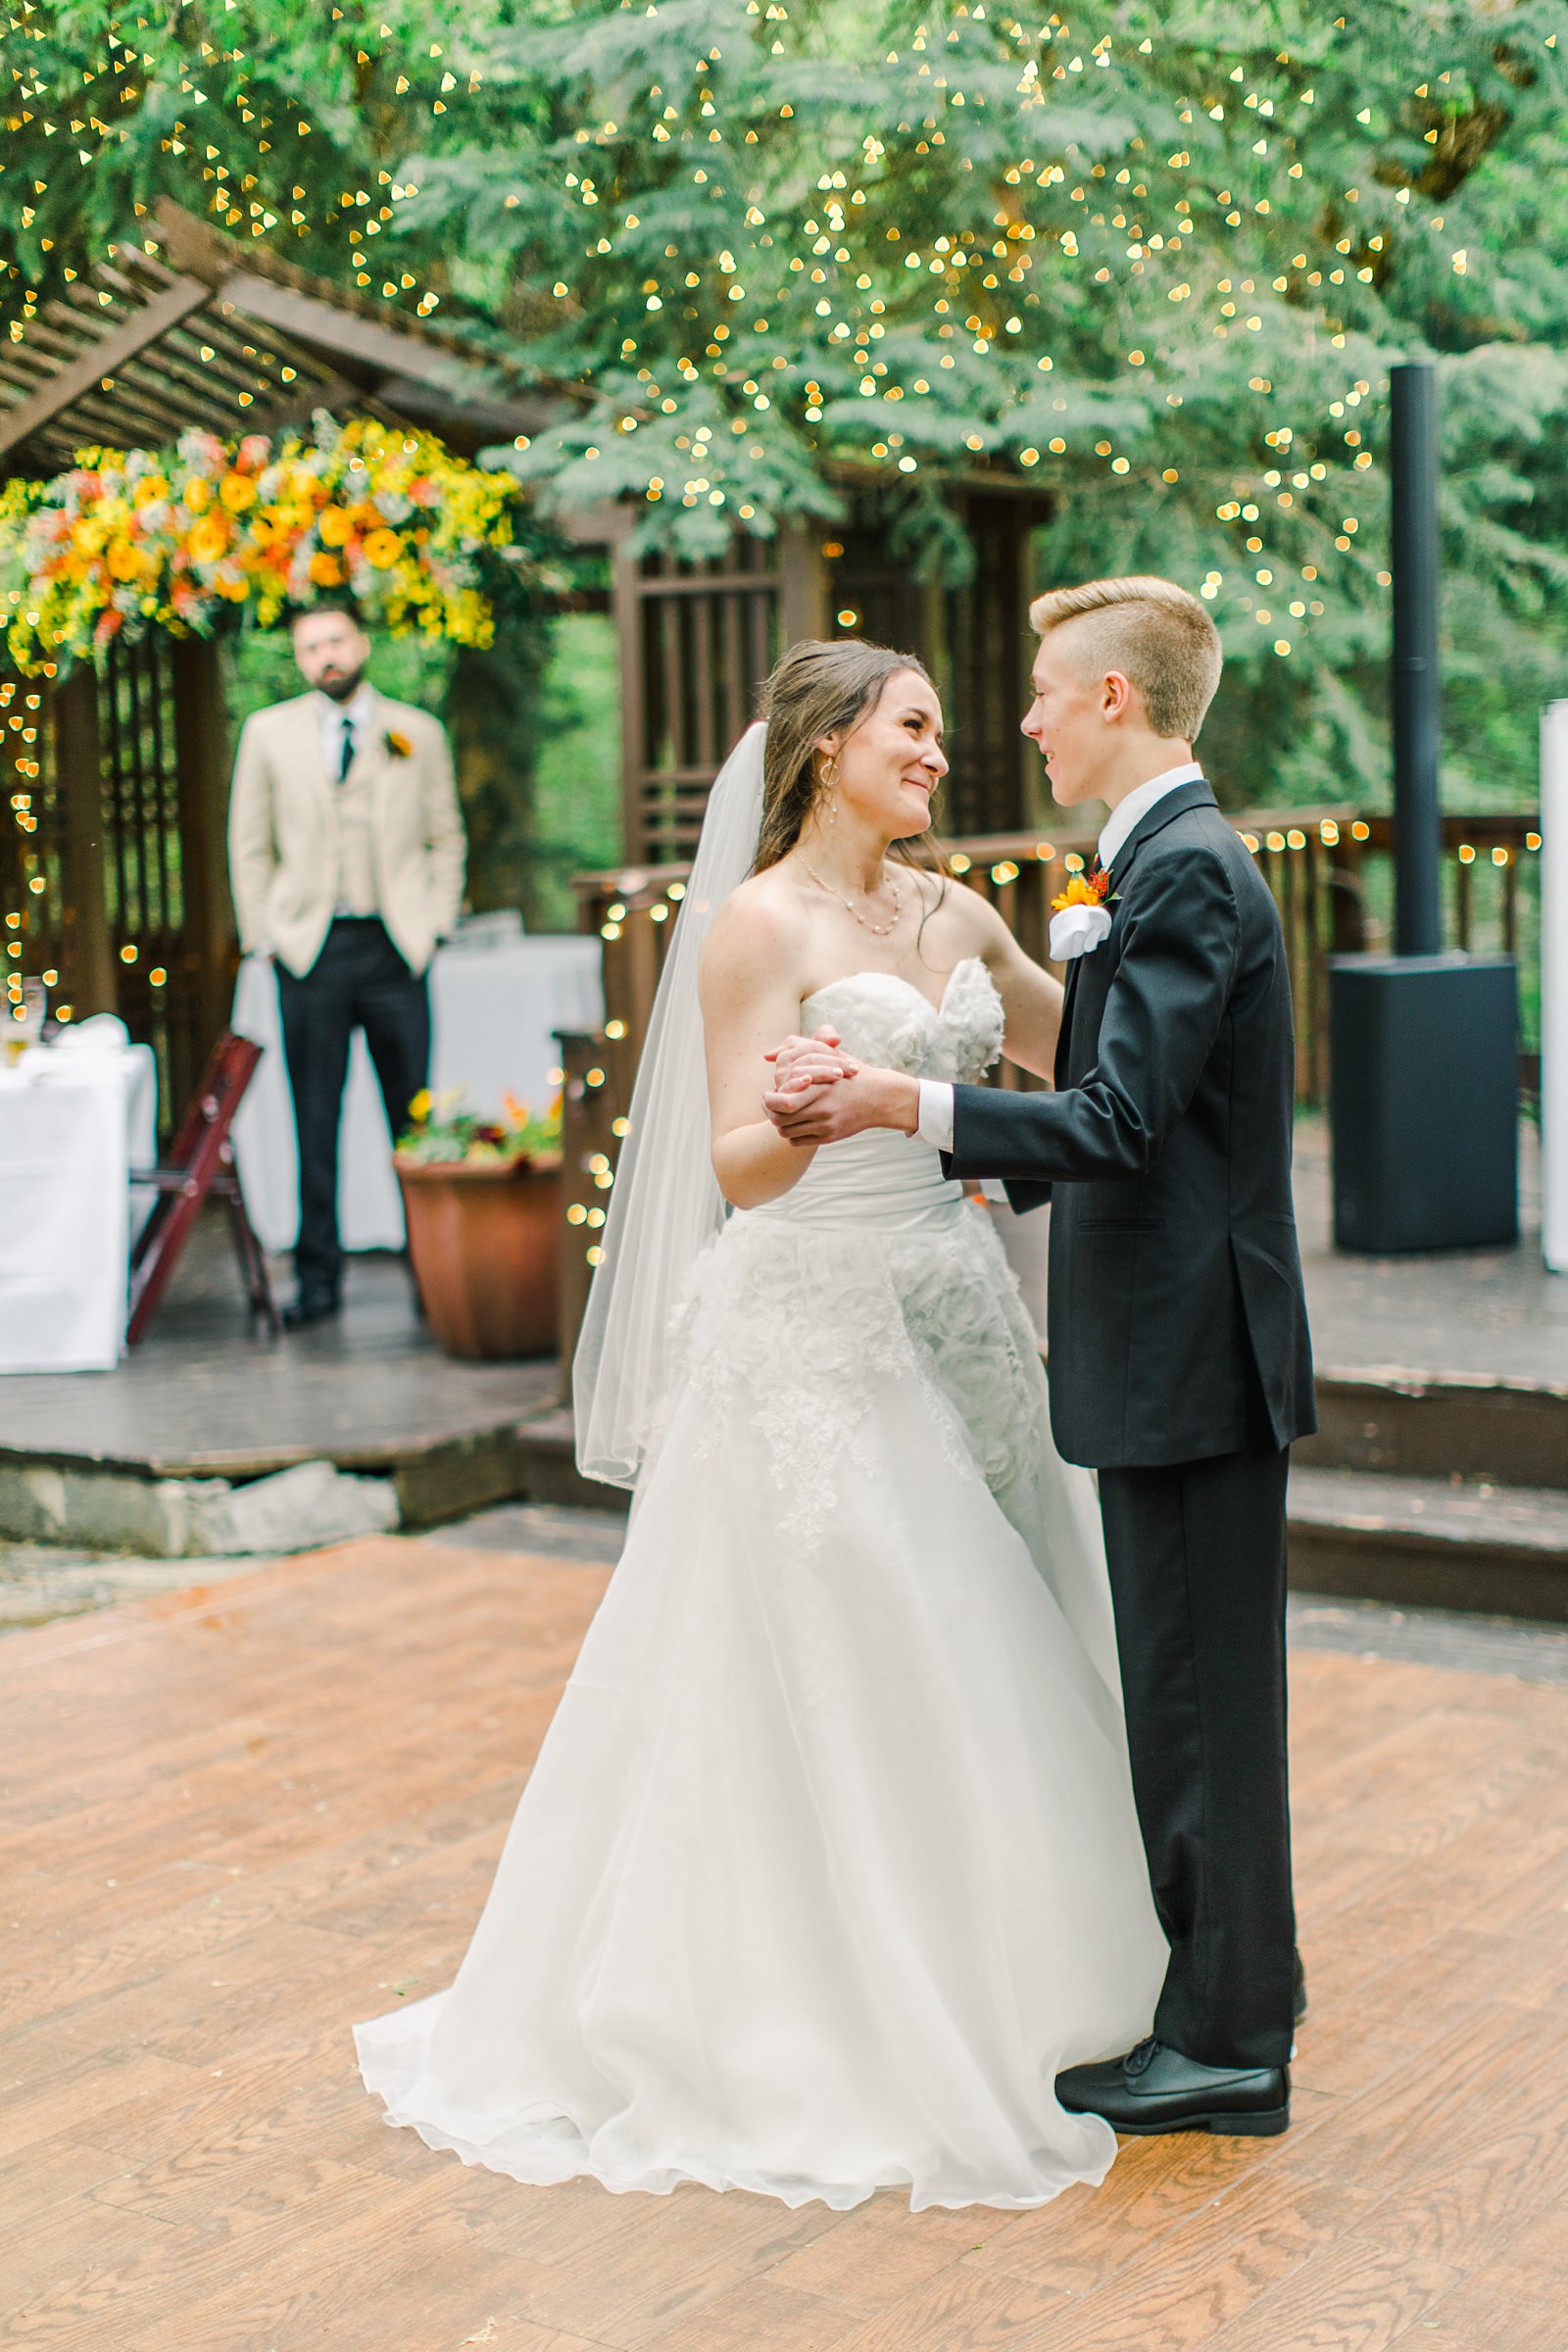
pixel 485 1243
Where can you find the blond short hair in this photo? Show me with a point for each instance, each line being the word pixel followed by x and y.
pixel 1162 641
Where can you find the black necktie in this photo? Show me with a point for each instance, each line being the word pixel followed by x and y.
pixel 347 760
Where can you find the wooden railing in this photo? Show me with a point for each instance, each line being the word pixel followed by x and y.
pixel 1330 871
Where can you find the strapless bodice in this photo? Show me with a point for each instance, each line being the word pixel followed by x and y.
pixel 894 1181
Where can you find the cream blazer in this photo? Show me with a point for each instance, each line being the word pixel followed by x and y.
pixel 283 848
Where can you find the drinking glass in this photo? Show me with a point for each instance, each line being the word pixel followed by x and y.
pixel 25 1025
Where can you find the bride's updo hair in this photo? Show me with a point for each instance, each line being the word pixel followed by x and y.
pixel 820 687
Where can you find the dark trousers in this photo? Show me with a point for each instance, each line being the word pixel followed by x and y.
pixel 1196 1560
pixel 358 981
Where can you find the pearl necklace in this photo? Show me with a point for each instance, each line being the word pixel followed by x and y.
pixel 877 930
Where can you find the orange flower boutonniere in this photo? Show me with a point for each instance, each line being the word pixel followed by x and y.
pixel 1081 917
pixel 1089 889
pixel 398 745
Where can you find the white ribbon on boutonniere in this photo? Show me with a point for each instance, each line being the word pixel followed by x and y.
pixel 1082 918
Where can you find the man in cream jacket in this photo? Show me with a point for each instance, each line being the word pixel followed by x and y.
pixel 346 854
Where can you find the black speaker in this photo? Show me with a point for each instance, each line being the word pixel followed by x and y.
pixel 1423 1100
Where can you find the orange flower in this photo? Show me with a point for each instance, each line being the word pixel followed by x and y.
pixel 1084 890
pixel 398 745
pixel 334 526
pixel 207 539
pixel 237 493
pixel 382 548
pixel 325 570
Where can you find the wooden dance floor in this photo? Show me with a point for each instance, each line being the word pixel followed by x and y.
pixel 233 1821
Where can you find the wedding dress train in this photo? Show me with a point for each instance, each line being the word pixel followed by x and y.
pixel 829 1862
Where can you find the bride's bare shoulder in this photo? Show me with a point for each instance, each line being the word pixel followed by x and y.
pixel 763 925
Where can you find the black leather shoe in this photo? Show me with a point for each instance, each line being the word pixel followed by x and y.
pixel 310 1306
pixel 1155 2089
pixel 1298 1989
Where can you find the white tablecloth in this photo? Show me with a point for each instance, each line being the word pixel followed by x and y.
pixel 493 1011
pixel 71 1127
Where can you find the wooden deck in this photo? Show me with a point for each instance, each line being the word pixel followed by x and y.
pixel 232 1821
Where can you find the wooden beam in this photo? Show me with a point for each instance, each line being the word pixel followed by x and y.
pixel 87 953
pixel 802 583
pixel 201 762
pixel 85 375
pixel 628 606
pixel 343 333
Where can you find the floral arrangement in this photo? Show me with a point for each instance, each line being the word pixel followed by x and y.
pixel 443 1132
pixel 134 539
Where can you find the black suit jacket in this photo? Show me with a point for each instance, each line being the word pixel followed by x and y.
pixel 1175 1289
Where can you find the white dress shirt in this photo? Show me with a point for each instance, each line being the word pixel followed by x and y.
pixel 936 1094
pixel 355 884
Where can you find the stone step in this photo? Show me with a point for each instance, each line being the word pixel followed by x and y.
pixel 1430 1543
pixel 1433 1425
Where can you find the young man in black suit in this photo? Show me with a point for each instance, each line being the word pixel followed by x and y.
pixel 1179 1356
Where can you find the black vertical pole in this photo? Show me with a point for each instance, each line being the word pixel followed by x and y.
pixel 1417 684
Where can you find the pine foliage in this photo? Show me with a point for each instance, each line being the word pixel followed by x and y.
pixel 1154 258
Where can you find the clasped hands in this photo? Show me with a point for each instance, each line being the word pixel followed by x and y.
pixel 822 1095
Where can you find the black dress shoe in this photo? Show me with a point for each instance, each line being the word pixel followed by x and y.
pixel 1155 2089
pixel 310 1306
pixel 1298 1989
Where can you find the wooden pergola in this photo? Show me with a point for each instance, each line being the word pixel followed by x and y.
pixel 696 639
pixel 113 872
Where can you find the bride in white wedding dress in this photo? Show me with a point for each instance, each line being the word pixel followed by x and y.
pixel 828 1864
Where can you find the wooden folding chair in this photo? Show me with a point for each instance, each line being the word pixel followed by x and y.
pixel 201 1166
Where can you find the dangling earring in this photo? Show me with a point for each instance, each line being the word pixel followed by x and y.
pixel 830 777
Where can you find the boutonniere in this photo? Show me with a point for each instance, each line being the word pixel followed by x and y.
pixel 1081 916
pixel 398 746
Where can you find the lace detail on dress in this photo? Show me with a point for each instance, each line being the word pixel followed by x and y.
pixel 791 1320
pixel 794 1326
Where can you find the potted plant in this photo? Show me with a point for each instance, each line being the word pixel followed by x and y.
pixel 482 1200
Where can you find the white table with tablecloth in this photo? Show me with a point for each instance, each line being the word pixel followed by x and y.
pixel 74 1119
pixel 494 1009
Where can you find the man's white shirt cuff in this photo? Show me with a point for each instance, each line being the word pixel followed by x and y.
pixel 936 1114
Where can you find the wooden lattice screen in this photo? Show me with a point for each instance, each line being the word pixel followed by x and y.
pixel 697 640
pixel 112 885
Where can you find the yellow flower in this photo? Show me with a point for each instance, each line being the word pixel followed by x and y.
pixel 151 488
pixel 325 570
pixel 126 560
pixel 420 1107
pixel 196 494
pixel 1084 890
pixel 238 492
pixel 334 526
pixel 382 548
pixel 207 539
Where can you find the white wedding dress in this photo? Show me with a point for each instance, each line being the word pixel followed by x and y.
pixel 829 1862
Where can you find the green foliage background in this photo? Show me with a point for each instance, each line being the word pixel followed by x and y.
pixel 1156 259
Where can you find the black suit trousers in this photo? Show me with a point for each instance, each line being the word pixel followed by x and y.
pixel 1197 1558
pixel 358 981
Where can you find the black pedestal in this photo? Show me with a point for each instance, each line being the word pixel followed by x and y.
pixel 1423 1101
